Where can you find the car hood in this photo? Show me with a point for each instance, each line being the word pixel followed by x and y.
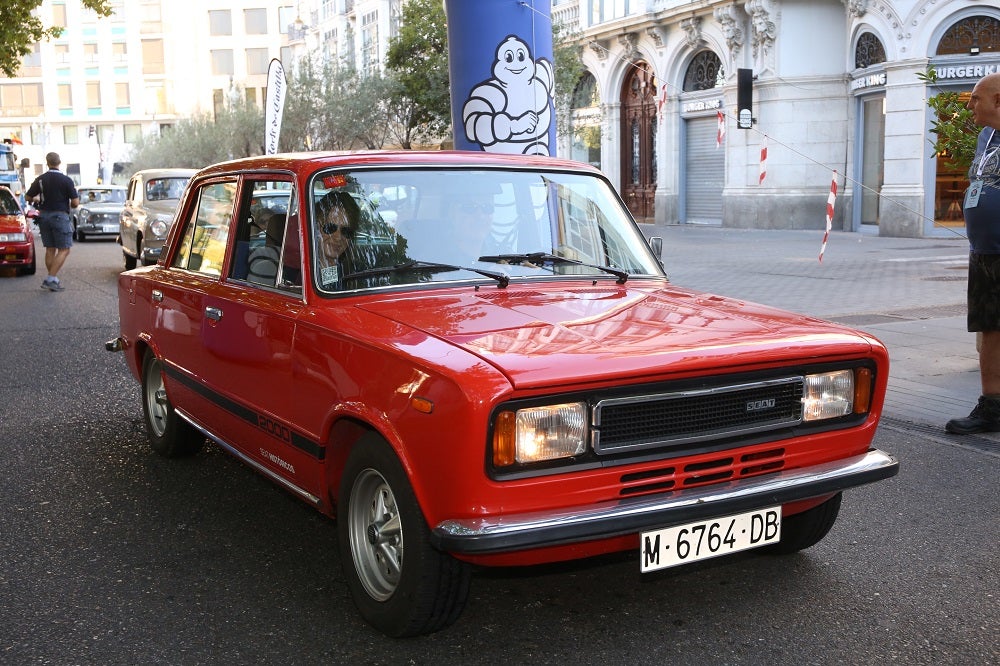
pixel 553 335
pixel 162 207
pixel 104 209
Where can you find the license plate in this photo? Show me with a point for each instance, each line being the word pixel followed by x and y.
pixel 682 544
pixel 108 228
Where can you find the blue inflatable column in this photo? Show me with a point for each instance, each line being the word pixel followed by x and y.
pixel 500 61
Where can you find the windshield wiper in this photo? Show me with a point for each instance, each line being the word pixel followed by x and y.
pixel 543 257
pixel 429 267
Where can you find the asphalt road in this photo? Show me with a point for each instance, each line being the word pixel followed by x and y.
pixel 111 555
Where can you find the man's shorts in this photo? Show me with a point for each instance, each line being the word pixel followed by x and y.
pixel 984 292
pixel 56 229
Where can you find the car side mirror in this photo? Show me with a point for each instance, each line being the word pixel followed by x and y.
pixel 656 245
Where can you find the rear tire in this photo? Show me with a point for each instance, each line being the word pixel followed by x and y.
pixel 169 435
pixel 806 529
pixel 401 584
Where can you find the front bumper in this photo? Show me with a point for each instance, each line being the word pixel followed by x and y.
pixel 498 534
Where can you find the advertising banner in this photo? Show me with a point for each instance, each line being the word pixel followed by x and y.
pixel 274 105
pixel 501 65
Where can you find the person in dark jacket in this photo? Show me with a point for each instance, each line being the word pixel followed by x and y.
pixel 54 194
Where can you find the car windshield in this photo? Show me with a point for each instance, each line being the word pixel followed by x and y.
pixel 102 195
pixel 389 227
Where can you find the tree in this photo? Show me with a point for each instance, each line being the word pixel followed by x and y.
pixel 417 61
pixel 201 140
pixel 20 30
pixel 953 126
pixel 569 70
pixel 329 105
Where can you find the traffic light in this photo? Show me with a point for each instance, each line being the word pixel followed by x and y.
pixel 90 131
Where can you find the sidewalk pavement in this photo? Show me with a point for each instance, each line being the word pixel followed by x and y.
pixel 908 292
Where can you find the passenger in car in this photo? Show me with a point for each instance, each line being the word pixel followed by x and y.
pixel 335 224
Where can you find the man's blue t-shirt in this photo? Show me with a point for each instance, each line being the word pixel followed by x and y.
pixel 57 190
pixel 982 222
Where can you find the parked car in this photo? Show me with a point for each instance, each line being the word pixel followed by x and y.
pixel 99 212
pixel 502 376
pixel 17 241
pixel 150 202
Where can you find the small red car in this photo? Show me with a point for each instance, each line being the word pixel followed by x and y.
pixel 474 359
pixel 17 241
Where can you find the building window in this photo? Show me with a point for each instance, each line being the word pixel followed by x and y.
pixel 704 73
pixel 222 62
pixel 255 21
pixel 21 99
pixel 119 51
pixel 65 92
pixel 94 95
pixel 257 61
pixel 90 55
pixel 218 101
pixel 976 34
pixel 869 51
pixel 59 16
pixel 286 17
pixel 369 42
pixel 220 23
pixel 251 96
pixel 152 56
pixel 122 98
pixel 132 132
pixel 156 98
pixel 31 64
pixel 62 53
pixel 71 134
pixel 151 18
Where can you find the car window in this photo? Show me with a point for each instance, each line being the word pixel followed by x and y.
pixel 203 241
pixel 267 248
pixel 160 189
pixel 8 204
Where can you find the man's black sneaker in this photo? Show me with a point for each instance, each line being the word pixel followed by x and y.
pixel 985 417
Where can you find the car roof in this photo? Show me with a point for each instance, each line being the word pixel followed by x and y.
pixel 308 162
pixel 164 173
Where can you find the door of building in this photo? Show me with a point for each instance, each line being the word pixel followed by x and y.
pixel 704 172
pixel 638 141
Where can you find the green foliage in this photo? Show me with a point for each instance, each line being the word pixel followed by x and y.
pixel 568 71
pixel 330 106
pixel 202 140
pixel 954 130
pixel 417 62
pixel 20 30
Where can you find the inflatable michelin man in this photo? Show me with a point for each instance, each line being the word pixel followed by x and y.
pixel 511 112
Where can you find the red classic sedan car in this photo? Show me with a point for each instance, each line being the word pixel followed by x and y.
pixel 473 359
pixel 17 242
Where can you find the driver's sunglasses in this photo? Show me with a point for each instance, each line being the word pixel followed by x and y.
pixel 332 228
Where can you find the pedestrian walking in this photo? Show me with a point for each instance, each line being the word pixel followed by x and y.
pixel 54 194
pixel 982 223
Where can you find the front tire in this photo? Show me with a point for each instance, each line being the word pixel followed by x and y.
pixel 130 261
pixel 806 529
pixel 169 435
pixel 401 584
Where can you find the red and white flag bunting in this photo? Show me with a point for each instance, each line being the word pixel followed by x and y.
pixel 662 100
pixel 721 133
pixel 763 158
pixel 831 199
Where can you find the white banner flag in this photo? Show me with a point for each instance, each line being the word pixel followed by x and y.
pixel 275 104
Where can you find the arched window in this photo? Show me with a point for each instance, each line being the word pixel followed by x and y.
pixel 869 51
pixel 975 34
pixel 704 73
pixel 585 94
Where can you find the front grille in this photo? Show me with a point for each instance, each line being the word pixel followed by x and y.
pixel 683 417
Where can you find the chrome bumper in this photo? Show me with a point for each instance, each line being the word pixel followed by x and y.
pixel 497 534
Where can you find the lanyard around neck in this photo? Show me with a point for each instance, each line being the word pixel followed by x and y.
pixel 987 153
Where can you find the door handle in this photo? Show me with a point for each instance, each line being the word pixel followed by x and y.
pixel 157 296
pixel 215 314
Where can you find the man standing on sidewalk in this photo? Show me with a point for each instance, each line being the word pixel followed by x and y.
pixel 982 223
pixel 54 193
